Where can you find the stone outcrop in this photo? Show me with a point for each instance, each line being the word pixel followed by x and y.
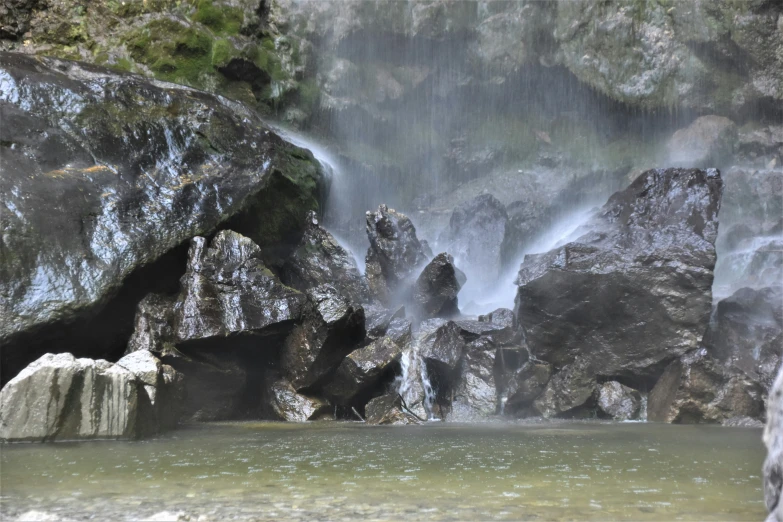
pixel 395 253
pixel 436 289
pixel 94 203
pixel 619 402
pixel 59 397
pixel 633 290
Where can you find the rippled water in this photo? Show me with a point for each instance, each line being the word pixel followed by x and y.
pixel 328 471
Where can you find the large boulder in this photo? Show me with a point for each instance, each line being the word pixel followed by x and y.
pixel 773 439
pixel 619 402
pixel 707 142
pixel 363 370
pixel 395 253
pixel 288 405
pixel 60 397
pixel 633 290
pixel 388 409
pixel 476 395
pixel 319 259
pixel 107 172
pixel 436 289
pixel 523 387
pixel 568 391
pixel 698 389
pixel 164 386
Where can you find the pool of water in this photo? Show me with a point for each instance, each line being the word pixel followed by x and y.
pixel 329 471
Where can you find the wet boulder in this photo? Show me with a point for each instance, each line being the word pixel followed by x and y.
pixel 567 391
pixel 95 202
pixel 773 440
pixel 378 319
pixel 59 397
pixel 523 387
pixel 288 405
pixel 331 328
pixel 634 289
pixel 363 370
pixel 441 345
pixel 619 402
pixel 475 397
pixel 436 289
pixel 395 253
pixel 163 384
pixel 746 333
pixel 388 409
pixel 319 259
pixel 697 389
pixel 707 142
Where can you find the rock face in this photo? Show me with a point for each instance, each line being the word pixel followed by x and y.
pixel 59 397
pixel 436 289
pixel 524 386
pixel 773 439
pixel 619 402
pixel 708 141
pixel 697 389
pixel 394 255
pixel 634 289
pixel 72 129
pixel 568 390
pixel 320 259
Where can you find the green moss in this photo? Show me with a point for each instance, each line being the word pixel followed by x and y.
pixel 222 20
pixel 222 52
pixel 309 93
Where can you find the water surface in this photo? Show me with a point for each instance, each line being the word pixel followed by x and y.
pixel 328 471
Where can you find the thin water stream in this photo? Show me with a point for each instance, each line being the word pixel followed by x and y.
pixel 328 471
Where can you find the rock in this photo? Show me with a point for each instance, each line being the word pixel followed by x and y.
pixel 524 387
pixel 294 407
pixel 394 255
pixel 619 402
pixel 59 397
pixel 569 389
pixel 499 330
pixel 441 345
pixel 436 289
pixel 15 17
pixel 387 409
pixel 697 389
pixel 319 259
pixel 73 129
pixel 328 332
pixel 773 440
pixel 164 386
pixel 476 396
pixel 378 319
pixel 742 422
pixel 746 333
pixel 762 142
pixel 634 289
pixel 227 289
pixel 363 370
pixel 707 142
pixel 475 236
pixel 153 324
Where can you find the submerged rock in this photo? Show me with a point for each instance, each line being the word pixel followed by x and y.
pixel 108 172
pixel 619 402
pixel 319 259
pixel 436 289
pixel 773 439
pixel 394 255
pixel 634 289
pixel 59 397
pixel 697 389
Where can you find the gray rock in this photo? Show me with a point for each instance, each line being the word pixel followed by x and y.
pixel 59 397
pixel 441 345
pixel 773 440
pixel 288 405
pixel 707 142
pixel 320 259
pixel 525 386
pixel 476 395
pixel 697 389
pixel 634 289
pixel 387 409
pixel 378 319
pixel 395 253
pixel 619 402
pixel 570 388
pixel 164 385
pixel 363 370
pixel 436 289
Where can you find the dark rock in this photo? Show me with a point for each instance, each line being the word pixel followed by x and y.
pixel 570 388
pixel 59 397
pixel 15 16
pixel 441 344
pixel 707 142
pixel 288 405
pixel 634 290
pixel 499 332
pixel 320 259
pixel 395 253
pixel 387 409
pixel 742 422
pixel 476 395
pixel 400 331
pixel 697 389
pixel 476 233
pixel 363 369
pixel 773 440
pixel 436 289
pixel 328 332
pixel 378 319
pixel 619 402
pixel 524 387
pixel 153 325
pixel 108 172
pixel 746 333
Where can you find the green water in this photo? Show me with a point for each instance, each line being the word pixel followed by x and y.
pixel 329 471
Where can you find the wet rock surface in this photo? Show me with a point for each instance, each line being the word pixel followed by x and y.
pixel 363 370
pixel 524 386
pixel 567 391
pixel 294 407
pixel 59 397
pixel 619 402
pixel 634 289
pixel 773 440
pixel 388 409
pixel 93 201
pixel 708 141
pixel 436 289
